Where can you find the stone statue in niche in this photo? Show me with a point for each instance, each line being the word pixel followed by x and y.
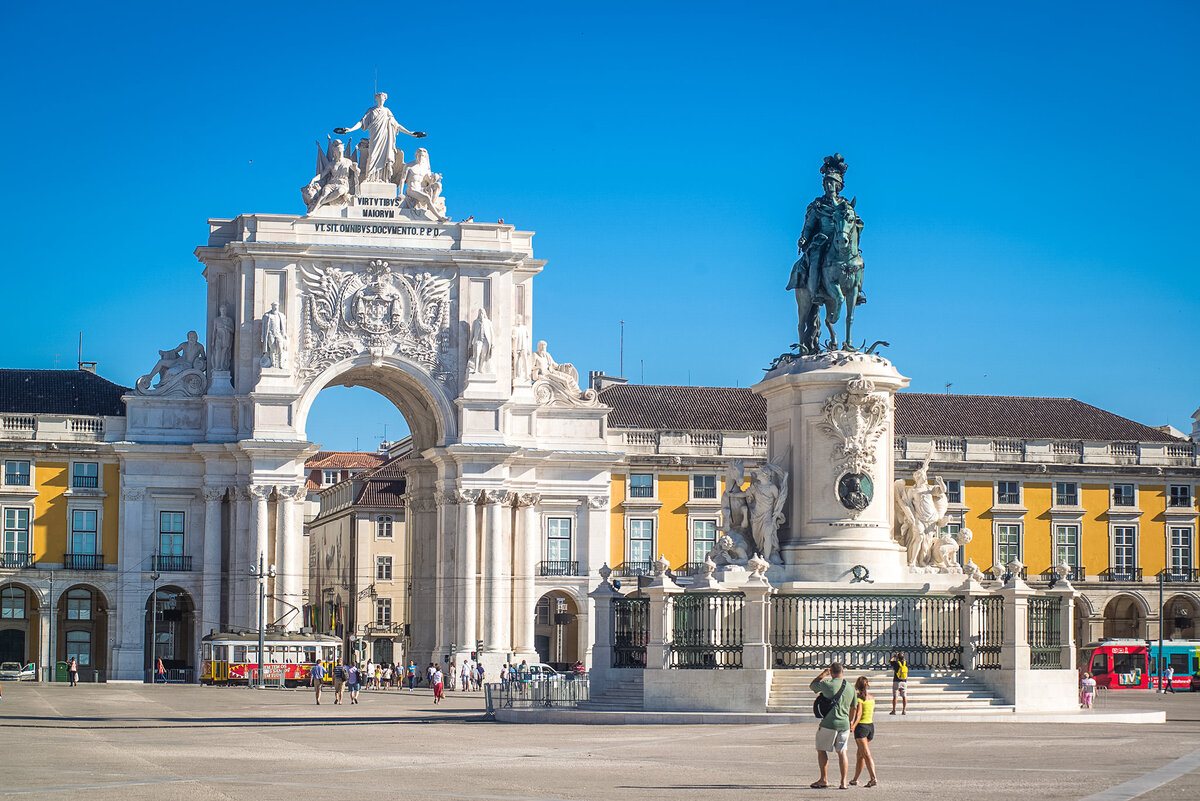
pixel 555 383
pixel 379 159
pixel 482 340
pixel 765 499
pixel 274 337
pixel 520 351
pixel 334 181
pixel 829 271
pixel 921 514
pixel 422 187
pixel 222 341
pixel 180 370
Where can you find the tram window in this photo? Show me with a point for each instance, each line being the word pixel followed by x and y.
pixel 1128 663
pixel 252 654
pixel 1179 663
pixel 327 653
pixel 221 652
pixel 239 653
pixel 310 653
pixel 1100 663
pixel 207 653
pixel 294 655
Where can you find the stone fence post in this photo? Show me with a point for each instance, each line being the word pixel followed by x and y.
pixel 969 620
pixel 1066 620
pixel 1014 653
pixel 659 641
pixel 756 647
pixel 602 648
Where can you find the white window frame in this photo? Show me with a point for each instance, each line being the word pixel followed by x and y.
pixel 326 481
pixel 653 485
pixel 75 463
pixel 1020 527
pixel 692 521
pixel 382 604
pixel 716 498
pixel 629 521
pixel 1112 494
pixel 1190 495
pixel 28 509
pixel 96 510
pixel 962 491
pixel 383 522
pixel 1190 546
pixel 1054 495
pixel 996 492
pixel 28 472
pixel 182 534
pixel 1112 546
pixel 570 538
pixel 380 561
pixel 1077 546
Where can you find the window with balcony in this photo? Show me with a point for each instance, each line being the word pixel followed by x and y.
pixel 1008 543
pixel 1179 496
pixel 83 531
pixel 558 539
pixel 16 473
pixel 1008 492
pixel 1123 495
pixel 16 536
pixel 170 533
pixel 383 611
pixel 1066 545
pixel 12 603
pixel 383 568
pixel 85 475
pixel 704 487
pixel 383 527
pixel 1124 550
pixel 954 491
pixel 641 541
pixel 641 485
pixel 79 605
pixel 1181 551
pixel 704 538
pixel 1066 493
pixel 79 647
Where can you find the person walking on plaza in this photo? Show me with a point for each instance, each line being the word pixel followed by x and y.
pixel 899 682
pixel 1087 691
pixel 412 676
pixel 862 724
pixel 339 681
pixel 436 681
pixel 479 676
pixel 429 674
pixel 387 676
pixel 465 676
pixel 73 671
pixel 1168 679
pixel 834 731
pixel 369 674
pixel 317 677
pixel 353 677
pixel 160 672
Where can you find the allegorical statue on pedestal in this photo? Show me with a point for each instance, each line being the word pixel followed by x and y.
pixel 921 516
pixel 829 271
pixel 180 370
pixel 334 181
pixel 379 160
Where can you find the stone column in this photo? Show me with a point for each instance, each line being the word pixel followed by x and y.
pixel 240 543
pixel 128 625
pixel 468 569
pixel 1014 654
pixel 528 546
pixel 756 650
pixel 258 535
pixel 659 640
pixel 1066 621
pixel 209 614
pixel 493 589
pixel 287 553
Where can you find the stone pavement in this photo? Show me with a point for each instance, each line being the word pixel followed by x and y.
pixel 118 741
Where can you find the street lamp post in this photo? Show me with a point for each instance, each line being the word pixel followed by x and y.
pixel 154 577
pixel 261 575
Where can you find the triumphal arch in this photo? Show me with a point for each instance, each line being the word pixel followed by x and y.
pixel 373 286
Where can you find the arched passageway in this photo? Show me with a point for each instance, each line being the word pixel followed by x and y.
pixel 82 630
pixel 170 633
pixel 1179 617
pixel 20 624
pixel 1124 617
pixel 556 630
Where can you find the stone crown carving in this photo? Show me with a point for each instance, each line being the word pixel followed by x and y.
pixel 375 310
pixel 856 418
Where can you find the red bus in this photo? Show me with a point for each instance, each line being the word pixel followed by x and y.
pixel 232 657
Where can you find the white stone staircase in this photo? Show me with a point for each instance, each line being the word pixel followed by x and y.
pixel 623 696
pixel 929 693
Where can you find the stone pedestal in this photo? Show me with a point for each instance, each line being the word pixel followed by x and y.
pixel 830 421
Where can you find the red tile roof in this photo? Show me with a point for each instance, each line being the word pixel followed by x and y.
pixel 333 460
pixel 917 414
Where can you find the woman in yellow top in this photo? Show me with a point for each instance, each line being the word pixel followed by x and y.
pixel 862 723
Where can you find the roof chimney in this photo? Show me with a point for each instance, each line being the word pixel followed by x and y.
pixel 597 380
pixel 88 367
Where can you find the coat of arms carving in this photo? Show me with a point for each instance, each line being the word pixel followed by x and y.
pixel 378 310
pixel 855 419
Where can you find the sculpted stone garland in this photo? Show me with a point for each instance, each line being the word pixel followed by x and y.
pixel 856 418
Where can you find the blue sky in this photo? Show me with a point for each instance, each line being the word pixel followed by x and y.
pixel 1026 172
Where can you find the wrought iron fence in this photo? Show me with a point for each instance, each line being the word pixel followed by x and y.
pixel 707 630
pixel 631 632
pixel 988 632
pixel 863 631
pixel 1045 634
pixel 556 691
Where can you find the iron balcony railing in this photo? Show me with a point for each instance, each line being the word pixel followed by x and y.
pixel 15 560
pixel 1188 575
pixel 1045 634
pixel 1118 575
pixel 83 561
pixel 626 569
pixel 1077 574
pixel 85 482
pixel 864 631
pixel 707 630
pixel 631 632
pixel 172 564
pixel 558 568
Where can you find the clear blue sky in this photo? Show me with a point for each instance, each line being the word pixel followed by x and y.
pixel 1027 174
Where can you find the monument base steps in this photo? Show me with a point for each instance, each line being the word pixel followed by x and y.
pixel 928 692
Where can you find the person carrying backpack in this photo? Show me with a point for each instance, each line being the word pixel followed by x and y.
pixel 833 704
pixel 899 682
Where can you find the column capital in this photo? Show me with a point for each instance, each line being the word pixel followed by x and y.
pixel 597 501
pixel 214 494
pixel 133 493
pixel 523 500
pixel 495 496
pixel 423 504
pixel 292 492
pixel 260 492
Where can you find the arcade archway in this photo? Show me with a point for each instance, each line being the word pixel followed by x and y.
pixel 556 630
pixel 20 624
pixel 170 633
pixel 82 630
pixel 1179 617
pixel 1125 617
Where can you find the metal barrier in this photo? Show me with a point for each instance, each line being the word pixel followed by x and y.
pixel 988 633
pixel 557 691
pixel 863 631
pixel 631 632
pixel 1045 635
pixel 707 630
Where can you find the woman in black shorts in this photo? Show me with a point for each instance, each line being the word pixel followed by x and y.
pixel 863 724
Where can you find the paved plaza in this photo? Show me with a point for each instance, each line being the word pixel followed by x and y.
pixel 185 742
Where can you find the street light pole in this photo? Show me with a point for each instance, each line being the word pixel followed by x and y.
pixel 1161 613
pixel 261 575
pixel 154 577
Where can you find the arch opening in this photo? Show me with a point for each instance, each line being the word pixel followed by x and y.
pixel 1179 617
pixel 1124 617
pixel 170 634
pixel 20 623
pixel 556 630
pixel 82 630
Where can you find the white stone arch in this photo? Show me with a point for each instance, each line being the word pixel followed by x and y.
pixel 416 395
